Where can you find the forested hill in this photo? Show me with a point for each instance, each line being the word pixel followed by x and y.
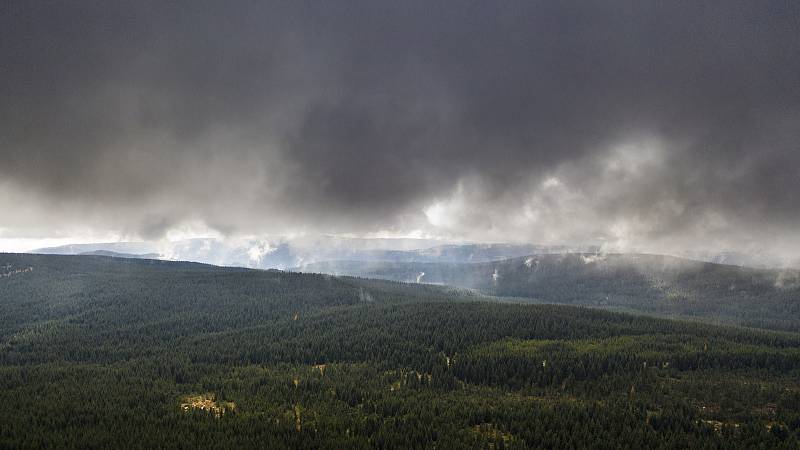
pixel 108 293
pixel 102 352
pixel 650 284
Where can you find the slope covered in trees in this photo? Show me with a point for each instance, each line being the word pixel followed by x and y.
pixel 110 352
pixel 651 284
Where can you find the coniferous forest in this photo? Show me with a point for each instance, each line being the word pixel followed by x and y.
pixel 657 285
pixel 99 352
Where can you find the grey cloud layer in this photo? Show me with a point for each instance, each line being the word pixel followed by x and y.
pixel 358 116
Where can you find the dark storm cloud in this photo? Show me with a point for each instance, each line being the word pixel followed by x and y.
pixel 354 116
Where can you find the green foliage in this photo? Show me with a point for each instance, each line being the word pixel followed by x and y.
pixel 100 352
pixel 652 284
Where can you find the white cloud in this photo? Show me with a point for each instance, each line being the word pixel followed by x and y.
pixel 258 251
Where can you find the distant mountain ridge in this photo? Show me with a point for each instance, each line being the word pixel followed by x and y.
pixel 121 255
pixel 114 247
pixel 287 253
pixel 279 253
pixel 300 252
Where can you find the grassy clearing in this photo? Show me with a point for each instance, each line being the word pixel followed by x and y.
pixel 207 402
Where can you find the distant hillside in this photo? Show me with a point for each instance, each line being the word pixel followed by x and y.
pixel 650 284
pixel 283 253
pixel 121 255
pixel 303 252
pixel 115 247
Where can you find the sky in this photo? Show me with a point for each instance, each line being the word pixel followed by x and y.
pixel 638 124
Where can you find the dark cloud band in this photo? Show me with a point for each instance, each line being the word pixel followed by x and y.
pixel 359 116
